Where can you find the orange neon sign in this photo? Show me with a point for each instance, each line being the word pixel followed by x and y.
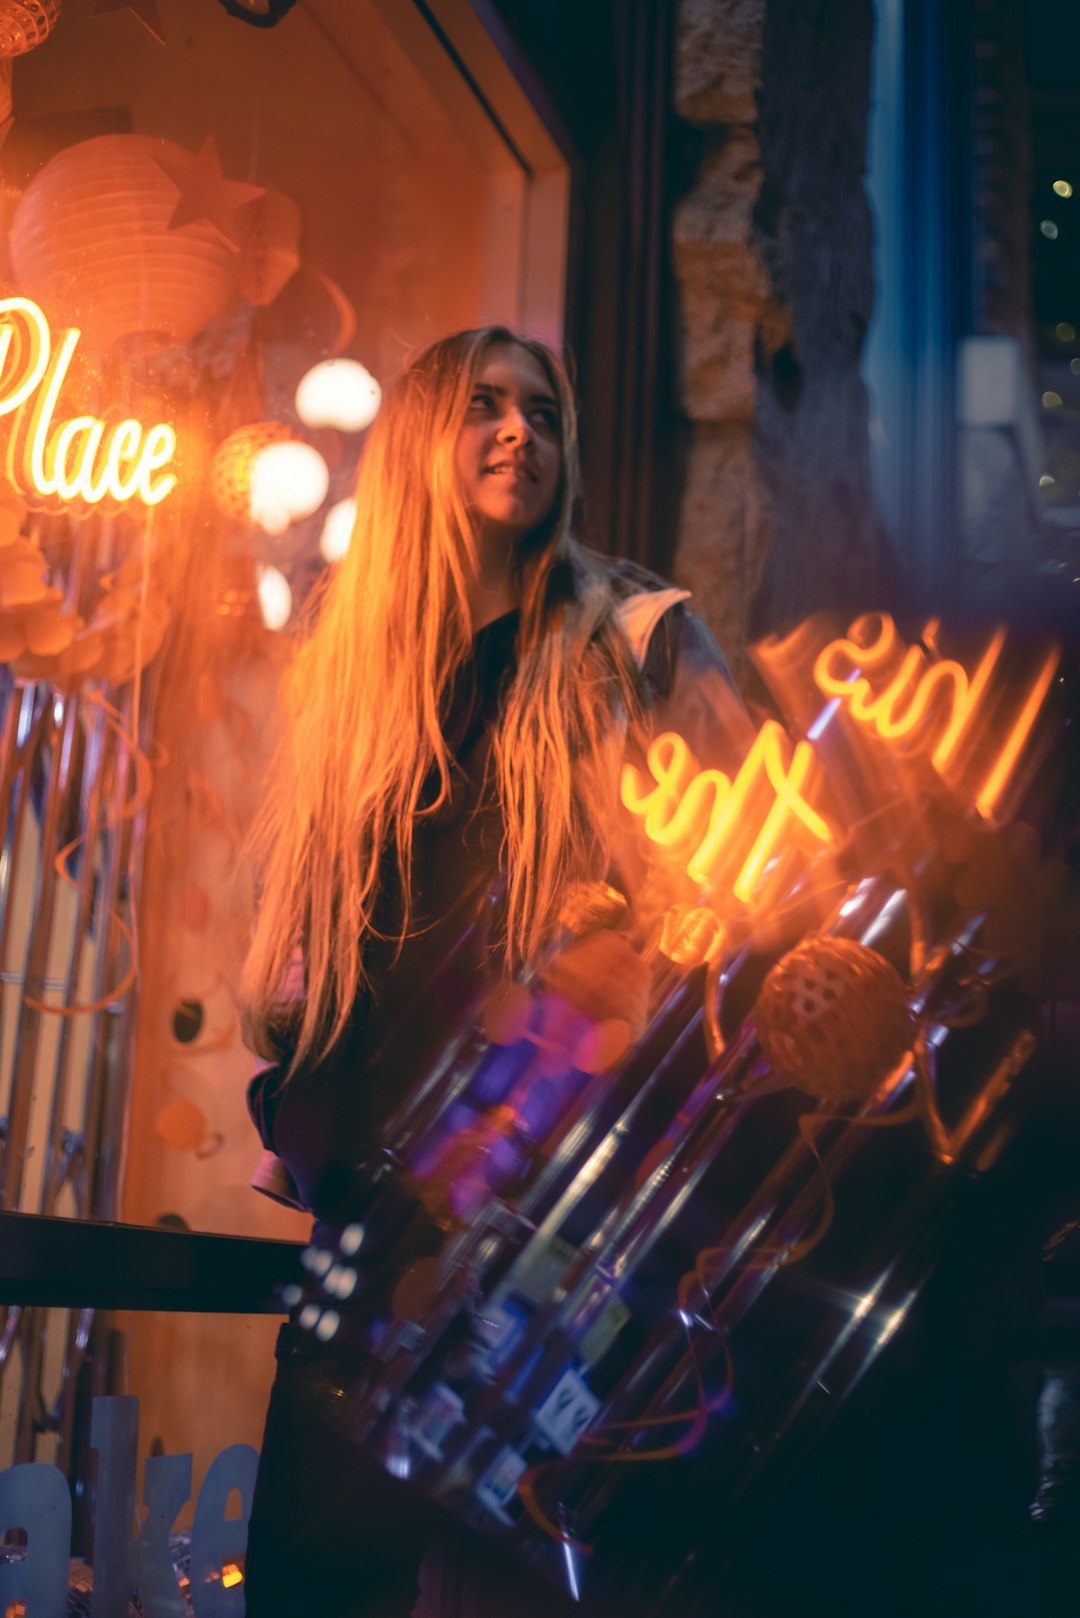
pixel 714 817
pixel 82 458
pixel 932 702
pixel 724 831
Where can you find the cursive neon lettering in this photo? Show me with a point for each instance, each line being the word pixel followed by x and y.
pixel 81 458
pixel 727 829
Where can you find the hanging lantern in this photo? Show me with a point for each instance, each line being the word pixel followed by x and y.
pixel 25 24
pixel 91 241
pixel 270 247
pixel 230 471
pixel 833 1018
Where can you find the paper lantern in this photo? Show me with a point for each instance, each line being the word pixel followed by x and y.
pixel 833 1017
pixel 230 472
pixel 24 24
pixel 270 247
pixel 91 241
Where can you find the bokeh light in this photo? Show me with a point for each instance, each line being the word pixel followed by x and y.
pixel 337 530
pixel 275 597
pixel 1049 229
pixel 288 481
pixel 338 393
pixel 1063 188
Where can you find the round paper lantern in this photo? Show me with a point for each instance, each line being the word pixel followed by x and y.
pixel 25 23
pixel 833 1017
pixel 230 472
pixel 91 242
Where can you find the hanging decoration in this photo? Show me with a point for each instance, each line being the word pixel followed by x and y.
pixel 146 11
pixel 230 471
pixel 260 13
pixel 269 246
pixel 206 196
pixel 25 24
pixel 93 240
pixel 833 1018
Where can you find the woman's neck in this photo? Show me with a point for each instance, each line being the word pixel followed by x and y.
pixel 494 589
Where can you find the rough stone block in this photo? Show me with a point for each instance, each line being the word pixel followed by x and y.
pixel 723 535
pixel 718 61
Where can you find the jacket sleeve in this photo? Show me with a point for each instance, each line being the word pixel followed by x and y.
pixel 271 1176
pixel 690 691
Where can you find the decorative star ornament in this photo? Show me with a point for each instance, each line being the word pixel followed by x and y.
pixel 146 11
pixel 206 196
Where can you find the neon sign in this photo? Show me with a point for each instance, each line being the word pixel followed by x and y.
pixel 82 458
pixel 714 814
pixel 723 832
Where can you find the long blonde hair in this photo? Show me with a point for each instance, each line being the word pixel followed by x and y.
pixel 362 741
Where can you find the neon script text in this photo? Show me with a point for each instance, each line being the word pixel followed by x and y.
pixel 82 458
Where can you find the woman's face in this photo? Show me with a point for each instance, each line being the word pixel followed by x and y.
pixel 509 453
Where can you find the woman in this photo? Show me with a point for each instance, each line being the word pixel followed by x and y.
pixel 459 715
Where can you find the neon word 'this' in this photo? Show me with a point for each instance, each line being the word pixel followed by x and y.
pixel 78 459
pixel 934 703
pixel 730 828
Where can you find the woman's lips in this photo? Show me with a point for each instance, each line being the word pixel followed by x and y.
pixel 507 469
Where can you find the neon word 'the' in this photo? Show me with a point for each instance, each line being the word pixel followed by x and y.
pixel 726 829
pixel 82 458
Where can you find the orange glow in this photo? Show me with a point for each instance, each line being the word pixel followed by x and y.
pixel 78 459
pixel 230 1575
pixel 998 778
pixel 911 701
pixel 712 817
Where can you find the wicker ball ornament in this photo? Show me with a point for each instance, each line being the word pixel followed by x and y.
pixel 25 24
pixel 230 471
pixel 833 1017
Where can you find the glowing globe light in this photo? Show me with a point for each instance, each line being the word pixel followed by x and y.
pixel 275 604
pixel 1063 188
pixel 337 530
pixel 338 393
pixel 288 481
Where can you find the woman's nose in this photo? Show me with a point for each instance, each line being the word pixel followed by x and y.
pixel 514 428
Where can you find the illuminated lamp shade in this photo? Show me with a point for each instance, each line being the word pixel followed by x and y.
pixel 336 536
pixel 338 393
pixel 270 247
pixel 275 597
pixel 832 1017
pixel 24 24
pixel 288 481
pixel 230 471
pixel 91 242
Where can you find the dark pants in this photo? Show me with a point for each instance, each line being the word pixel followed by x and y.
pixel 332 1534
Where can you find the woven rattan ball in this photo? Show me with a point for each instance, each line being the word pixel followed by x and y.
pixel 833 1017
pixel 24 24
pixel 230 471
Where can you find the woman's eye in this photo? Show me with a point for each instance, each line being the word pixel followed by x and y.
pixel 480 400
pixel 547 418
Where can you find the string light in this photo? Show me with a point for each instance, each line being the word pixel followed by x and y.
pixel 1051 400
pixel 288 481
pixel 1049 229
pixel 1062 188
pixel 1065 332
pixel 275 605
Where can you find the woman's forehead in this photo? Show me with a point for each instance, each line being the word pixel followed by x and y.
pixel 508 365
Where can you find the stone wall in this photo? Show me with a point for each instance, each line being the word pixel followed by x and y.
pixel 772 258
